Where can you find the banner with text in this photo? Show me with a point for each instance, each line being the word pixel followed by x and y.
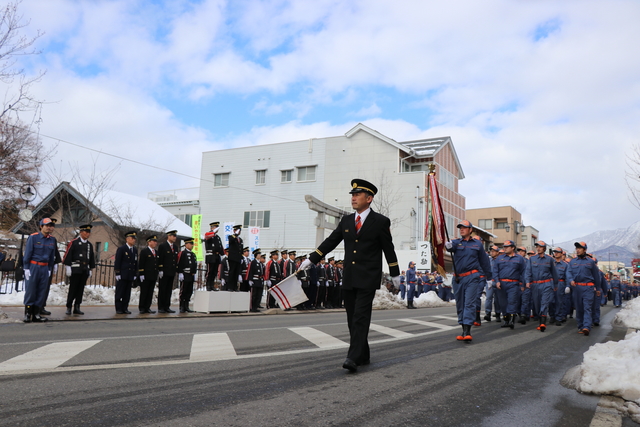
pixel 253 240
pixel 196 225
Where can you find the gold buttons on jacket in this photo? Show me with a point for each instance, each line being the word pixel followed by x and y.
pixel 356 240
pixel 354 252
pixel 353 262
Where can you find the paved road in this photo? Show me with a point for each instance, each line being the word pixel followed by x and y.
pixel 285 371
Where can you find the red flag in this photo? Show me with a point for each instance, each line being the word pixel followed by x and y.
pixel 436 225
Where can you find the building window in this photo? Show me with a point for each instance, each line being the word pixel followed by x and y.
pixel 186 218
pixel 485 224
pixel 501 225
pixel 221 179
pixel 261 177
pixel 450 221
pixel 447 179
pixel 307 173
pixel 524 237
pixel 76 216
pixel 286 176
pixel 257 219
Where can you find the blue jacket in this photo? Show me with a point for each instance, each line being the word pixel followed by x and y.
pixel 126 263
pixel 603 282
pixel 583 270
pixel 411 276
pixel 40 249
pixel 541 268
pixel 615 284
pixel 509 267
pixel 561 269
pixel 469 255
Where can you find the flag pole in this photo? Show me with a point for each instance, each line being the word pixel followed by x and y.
pixel 432 171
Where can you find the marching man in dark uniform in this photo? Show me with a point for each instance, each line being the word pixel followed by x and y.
pixel 126 270
pixel 79 260
pixel 255 274
pixel 366 235
pixel 148 271
pixel 38 262
pixel 168 264
pixel 235 256
pixel 187 269
pixel 214 250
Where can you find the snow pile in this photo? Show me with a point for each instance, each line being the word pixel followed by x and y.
pixel 629 316
pixel 385 300
pixel 431 299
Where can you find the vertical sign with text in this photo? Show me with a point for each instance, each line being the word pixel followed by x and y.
pixel 228 231
pixel 196 225
pixel 254 239
pixel 424 256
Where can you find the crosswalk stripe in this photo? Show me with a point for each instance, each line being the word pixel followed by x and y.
pixel 47 357
pixel 430 324
pixel 396 333
pixel 446 317
pixel 208 347
pixel 319 338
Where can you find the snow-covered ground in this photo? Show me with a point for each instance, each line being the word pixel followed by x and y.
pixel 387 301
pixel 629 316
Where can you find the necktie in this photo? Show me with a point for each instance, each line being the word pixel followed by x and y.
pixel 358 224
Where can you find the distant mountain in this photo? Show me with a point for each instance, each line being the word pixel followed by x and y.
pixel 623 241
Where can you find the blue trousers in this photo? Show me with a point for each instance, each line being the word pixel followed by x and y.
pixel 419 290
pixel 403 290
pixel 465 291
pixel 525 301
pixel 444 293
pixel 541 296
pixel 35 289
pixel 595 311
pixel 584 298
pixel 508 296
pixel 411 289
pixel 561 309
pixel 616 296
pixel 492 298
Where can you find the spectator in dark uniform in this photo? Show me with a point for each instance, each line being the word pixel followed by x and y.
pixel 255 277
pixel 244 266
pixel 79 260
pixel 126 270
pixel 168 264
pixel 148 270
pixel 235 257
pixel 214 250
pixel 273 276
pixel 187 269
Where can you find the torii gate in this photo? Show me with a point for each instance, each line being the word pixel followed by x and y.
pixel 323 210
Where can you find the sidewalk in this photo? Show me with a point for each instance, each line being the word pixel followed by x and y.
pixel 104 312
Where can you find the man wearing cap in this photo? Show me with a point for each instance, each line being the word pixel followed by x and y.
pixel 284 257
pixel 471 263
pixel 214 250
pixel 411 283
pixel 56 261
pixel 168 265
pixel 616 287
pixel 148 273
pixel 79 260
pixel 126 270
pixel 366 235
pixel 595 311
pixel 331 282
pixel 273 276
pixel 562 292
pixel 584 277
pixel 524 306
pixel 187 269
pixel 491 295
pixel 542 278
pixel 234 258
pixel 255 275
pixel 37 262
pixel 244 266
pixel 508 270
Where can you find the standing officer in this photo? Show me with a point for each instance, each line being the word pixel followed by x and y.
pixel 284 257
pixel 366 235
pixel 255 275
pixel 492 296
pixel 542 278
pixel 214 250
pixel 561 295
pixel 321 274
pixel 126 269
pixel 168 264
pixel 79 261
pixel 584 276
pixel 616 287
pixel 604 287
pixel 187 269
pixel 244 266
pixel 411 283
pixel 234 258
pixel 403 287
pixel 273 276
pixel 58 260
pixel 508 273
pixel 37 262
pixel 148 271
pixel 471 262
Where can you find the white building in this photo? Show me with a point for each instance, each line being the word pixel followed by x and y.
pixel 265 185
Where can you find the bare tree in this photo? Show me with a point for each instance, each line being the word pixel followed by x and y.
pixel 127 219
pixel 633 175
pixel 385 200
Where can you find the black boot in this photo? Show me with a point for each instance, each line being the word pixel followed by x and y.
pixel 35 314
pixel 487 317
pixel 543 324
pixel 467 333
pixel 512 321
pixel 182 310
pixel 505 322
pixel 76 309
pixel 186 307
pixel 45 312
pixel 523 319
pixel 477 322
pixel 27 314
pixel 497 317
pixel 68 312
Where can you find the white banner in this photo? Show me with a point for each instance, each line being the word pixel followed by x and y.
pixel 288 293
pixel 228 231
pixel 424 256
pixel 253 239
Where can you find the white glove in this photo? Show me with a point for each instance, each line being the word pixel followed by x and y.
pixel 489 284
pixel 49 273
pixel 55 268
pixel 448 245
pixel 135 278
pixel 89 273
pixel 240 278
pixel 306 264
pixel 67 270
pixel 222 282
pixel 118 277
pixel 160 275
pixel 142 278
pixel 396 282
pixel 268 282
pixel 250 282
pixel 180 277
pixel 27 274
pixel 567 290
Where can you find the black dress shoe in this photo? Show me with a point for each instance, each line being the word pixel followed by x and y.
pixel 127 312
pixel 68 312
pixel 45 312
pixel 350 365
pixel 366 362
pixel 119 312
pixel 170 311
pixel 151 312
pixel 162 311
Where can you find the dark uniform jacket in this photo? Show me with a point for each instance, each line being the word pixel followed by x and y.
pixel 235 248
pixel 187 263
pixel 224 271
pixel 363 251
pixel 255 273
pixel 126 264
pixel 213 249
pixel 273 273
pixel 244 266
pixel 167 259
pixel 148 264
pixel 322 275
pixel 79 256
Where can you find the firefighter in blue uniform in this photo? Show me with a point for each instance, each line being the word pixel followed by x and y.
pixel 411 283
pixel 491 294
pixel 616 288
pixel 79 260
pixel 126 270
pixel 604 288
pixel 187 269
pixel 509 269
pixel 37 262
pixel 562 297
pixel 471 263
pixel 584 277
pixel 542 278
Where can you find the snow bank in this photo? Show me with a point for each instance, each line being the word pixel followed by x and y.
pixel 385 300
pixel 629 316
pixel 431 299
